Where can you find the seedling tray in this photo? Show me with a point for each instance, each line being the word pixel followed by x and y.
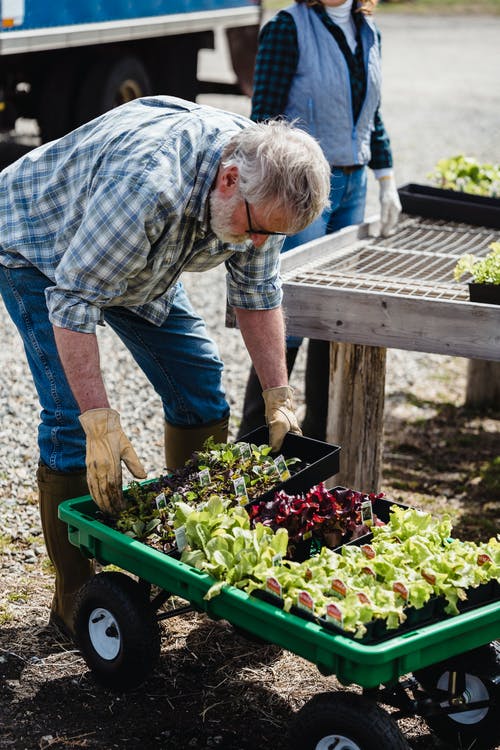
pixel 319 461
pixel 450 205
pixel 367 665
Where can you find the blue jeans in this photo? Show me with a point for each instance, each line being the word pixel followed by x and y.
pixel 178 358
pixel 347 207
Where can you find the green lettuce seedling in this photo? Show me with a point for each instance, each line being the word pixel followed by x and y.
pixel 482 270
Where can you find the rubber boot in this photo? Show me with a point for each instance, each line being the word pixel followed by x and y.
pixel 253 405
pixel 72 568
pixel 317 379
pixel 182 442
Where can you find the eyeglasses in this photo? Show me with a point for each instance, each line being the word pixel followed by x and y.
pixel 251 230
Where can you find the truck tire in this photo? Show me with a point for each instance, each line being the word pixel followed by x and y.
pixel 109 84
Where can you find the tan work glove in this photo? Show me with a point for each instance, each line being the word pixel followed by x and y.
pixel 280 414
pixel 107 446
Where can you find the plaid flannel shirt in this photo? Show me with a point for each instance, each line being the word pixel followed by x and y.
pixel 115 211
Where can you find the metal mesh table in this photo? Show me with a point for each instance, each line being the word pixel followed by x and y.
pixel 395 292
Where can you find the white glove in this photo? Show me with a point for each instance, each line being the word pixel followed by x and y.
pixel 390 205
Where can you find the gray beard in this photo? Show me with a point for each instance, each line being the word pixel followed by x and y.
pixel 221 212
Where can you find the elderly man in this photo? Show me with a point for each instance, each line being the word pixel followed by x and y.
pixel 95 229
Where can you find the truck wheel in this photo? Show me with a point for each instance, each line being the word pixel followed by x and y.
pixel 117 631
pixel 478 728
pixel 346 721
pixel 109 84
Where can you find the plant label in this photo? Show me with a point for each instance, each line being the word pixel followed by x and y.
pixel 273 586
pixel 204 477
pixel 335 616
pixel 367 513
pixel 245 450
pixel 399 588
pixel 282 468
pixel 339 587
pixel 180 538
pixel 240 488
pixel 161 501
pixel 305 602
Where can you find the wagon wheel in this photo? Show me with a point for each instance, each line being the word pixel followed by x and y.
pixel 478 674
pixel 345 721
pixel 117 631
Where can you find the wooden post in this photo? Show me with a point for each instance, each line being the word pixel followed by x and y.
pixel 356 413
pixel 483 384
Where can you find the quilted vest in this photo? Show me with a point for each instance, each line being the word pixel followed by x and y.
pixel 320 95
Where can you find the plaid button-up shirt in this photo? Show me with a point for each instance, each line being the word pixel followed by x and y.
pixel 114 212
pixel 275 68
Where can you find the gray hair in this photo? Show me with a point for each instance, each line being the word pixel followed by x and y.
pixel 281 168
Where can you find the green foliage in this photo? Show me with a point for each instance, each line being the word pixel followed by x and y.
pixel 482 270
pixel 465 174
pixel 154 508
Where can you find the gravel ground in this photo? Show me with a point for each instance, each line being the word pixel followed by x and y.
pixel 441 97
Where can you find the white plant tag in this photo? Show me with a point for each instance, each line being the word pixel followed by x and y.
pixel 161 501
pixel 305 602
pixel 282 468
pixel 180 538
pixel 204 477
pixel 335 616
pixel 240 487
pixel 245 450
pixel 367 513
pixel 273 586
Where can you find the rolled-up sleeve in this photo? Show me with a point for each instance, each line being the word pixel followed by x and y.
pixel 253 279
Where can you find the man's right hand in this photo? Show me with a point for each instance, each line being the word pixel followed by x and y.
pixel 280 414
pixel 107 446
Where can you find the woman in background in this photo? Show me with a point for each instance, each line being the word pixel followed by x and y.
pixel 318 63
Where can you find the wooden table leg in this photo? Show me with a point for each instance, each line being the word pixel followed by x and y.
pixel 483 384
pixel 356 413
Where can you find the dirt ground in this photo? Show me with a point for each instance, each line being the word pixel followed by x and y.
pixel 213 688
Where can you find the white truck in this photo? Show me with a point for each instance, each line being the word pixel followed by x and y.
pixel 63 62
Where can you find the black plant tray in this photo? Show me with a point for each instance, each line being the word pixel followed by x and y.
pixel 451 205
pixel 432 611
pixel 319 461
pixel 485 293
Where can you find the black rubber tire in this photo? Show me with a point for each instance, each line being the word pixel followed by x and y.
pixel 117 631
pixel 109 83
pixel 478 728
pixel 325 719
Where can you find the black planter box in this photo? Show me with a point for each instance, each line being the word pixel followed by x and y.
pixel 486 293
pixel 319 461
pixel 450 205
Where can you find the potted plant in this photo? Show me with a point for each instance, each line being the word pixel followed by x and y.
pixel 485 273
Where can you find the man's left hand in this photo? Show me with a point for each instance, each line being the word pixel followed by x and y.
pixel 390 205
pixel 280 414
